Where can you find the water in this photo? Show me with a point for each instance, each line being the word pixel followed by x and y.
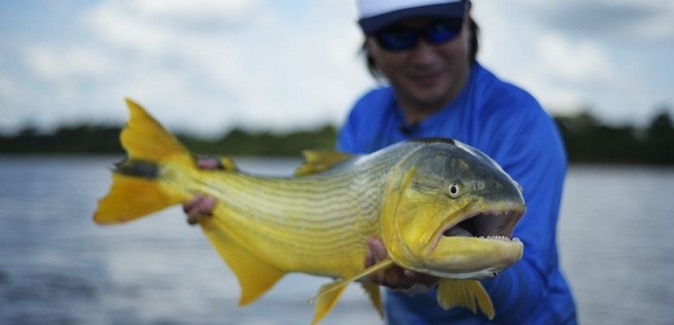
pixel 616 243
pixel 57 267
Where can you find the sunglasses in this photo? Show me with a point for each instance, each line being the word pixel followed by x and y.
pixel 398 38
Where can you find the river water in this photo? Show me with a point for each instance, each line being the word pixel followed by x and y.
pixel 58 267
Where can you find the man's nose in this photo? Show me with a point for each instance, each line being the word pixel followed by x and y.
pixel 423 53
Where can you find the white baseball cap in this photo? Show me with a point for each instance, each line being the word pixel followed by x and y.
pixel 373 15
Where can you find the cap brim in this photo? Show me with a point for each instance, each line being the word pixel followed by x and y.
pixel 373 24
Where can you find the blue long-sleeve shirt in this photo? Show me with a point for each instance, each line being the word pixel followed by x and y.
pixel 509 125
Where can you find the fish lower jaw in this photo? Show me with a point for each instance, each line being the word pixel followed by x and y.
pixel 489 243
pixel 459 234
pixel 462 257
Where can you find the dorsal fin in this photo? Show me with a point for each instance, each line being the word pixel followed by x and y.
pixel 227 163
pixel 316 161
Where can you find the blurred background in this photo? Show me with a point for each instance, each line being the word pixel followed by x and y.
pixel 207 67
pixel 261 78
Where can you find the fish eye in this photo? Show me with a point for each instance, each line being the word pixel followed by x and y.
pixel 454 190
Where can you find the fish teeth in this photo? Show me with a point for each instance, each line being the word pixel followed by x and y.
pixel 499 238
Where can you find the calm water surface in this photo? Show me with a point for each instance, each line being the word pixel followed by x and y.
pixel 57 267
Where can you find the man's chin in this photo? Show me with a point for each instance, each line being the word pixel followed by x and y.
pixel 432 98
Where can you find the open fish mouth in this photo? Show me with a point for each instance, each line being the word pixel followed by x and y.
pixel 488 225
pixel 476 246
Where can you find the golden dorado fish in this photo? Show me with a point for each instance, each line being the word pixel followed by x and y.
pixel 440 207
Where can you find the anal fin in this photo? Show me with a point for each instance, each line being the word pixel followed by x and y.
pixel 464 293
pixel 372 290
pixel 255 275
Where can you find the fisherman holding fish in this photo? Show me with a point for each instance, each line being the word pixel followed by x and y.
pixel 426 51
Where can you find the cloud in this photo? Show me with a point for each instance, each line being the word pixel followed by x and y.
pixel 274 69
pixel 52 63
pixel 121 28
pixel 266 64
pixel 615 20
pixel 563 72
pixel 10 93
pixel 193 12
pixel 8 86
pixel 577 54
pixel 579 63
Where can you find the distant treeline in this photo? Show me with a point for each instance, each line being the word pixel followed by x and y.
pixel 97 139
pixel 586 139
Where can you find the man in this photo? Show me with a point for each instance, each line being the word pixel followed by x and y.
pixel 426 51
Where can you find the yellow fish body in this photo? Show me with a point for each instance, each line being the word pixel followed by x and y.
pixel 441 208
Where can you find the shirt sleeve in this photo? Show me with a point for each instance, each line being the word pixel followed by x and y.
pixel 531 151
pixel 347 136
pixel 355 134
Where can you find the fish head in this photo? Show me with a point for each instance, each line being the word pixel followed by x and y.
pixel 450 211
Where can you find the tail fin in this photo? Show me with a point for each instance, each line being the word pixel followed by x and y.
pixel 136 190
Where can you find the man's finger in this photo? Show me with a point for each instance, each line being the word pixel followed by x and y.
pixel 395 278
pixel 425 279
pixel 189 206
pixel 200 206
pixel 209 163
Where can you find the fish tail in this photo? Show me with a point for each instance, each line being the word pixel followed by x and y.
pixel 138 187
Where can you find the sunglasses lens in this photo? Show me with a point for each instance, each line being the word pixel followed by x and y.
pixel 400 38
pixel 442 31
pixel 396 39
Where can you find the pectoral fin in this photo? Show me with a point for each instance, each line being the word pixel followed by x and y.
pixel 255 275
pixel 329 294
pixel 464 293
pixel 370 270
pixel 326 299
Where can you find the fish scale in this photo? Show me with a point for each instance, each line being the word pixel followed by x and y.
pixel 308 229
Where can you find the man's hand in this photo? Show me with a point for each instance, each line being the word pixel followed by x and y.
pixel 396 277
pixel 201 205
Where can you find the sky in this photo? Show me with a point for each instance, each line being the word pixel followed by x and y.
pixel 206 67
